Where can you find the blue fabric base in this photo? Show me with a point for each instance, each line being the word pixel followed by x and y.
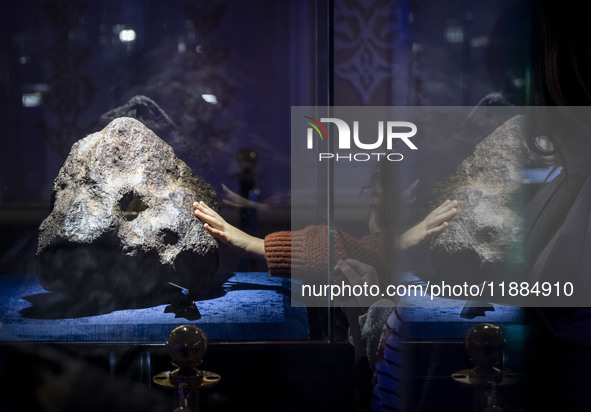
pixel 447 323
pixel 252 307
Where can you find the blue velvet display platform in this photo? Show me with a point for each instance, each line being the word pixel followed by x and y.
pixel 452 323
pixel 248 307
pixel 450 319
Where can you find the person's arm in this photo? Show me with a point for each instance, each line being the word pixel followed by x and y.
pixel 306 249
pixel 242 242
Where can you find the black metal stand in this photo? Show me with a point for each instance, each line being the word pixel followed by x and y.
pixel 485 344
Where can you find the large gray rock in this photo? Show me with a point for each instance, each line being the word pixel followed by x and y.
pixel 121 222
pixel 484 240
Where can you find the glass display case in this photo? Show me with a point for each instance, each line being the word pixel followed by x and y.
pixel 222 89
pixel 118 115
pixel 215 81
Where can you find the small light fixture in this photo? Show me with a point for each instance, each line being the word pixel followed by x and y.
pixel 210 98
pixel 127 35
pixel 32 99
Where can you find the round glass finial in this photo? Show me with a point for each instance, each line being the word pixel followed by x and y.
pixel 485 344
pixel 187 345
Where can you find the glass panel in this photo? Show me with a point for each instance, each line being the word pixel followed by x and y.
pixel 215 80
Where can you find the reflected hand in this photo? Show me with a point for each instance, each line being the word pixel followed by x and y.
pixel 234 199
pixel 409 196
pixel 359 273
pixel 432 225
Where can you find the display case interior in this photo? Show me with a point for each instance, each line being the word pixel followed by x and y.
pixel 115 117
pixel 214 89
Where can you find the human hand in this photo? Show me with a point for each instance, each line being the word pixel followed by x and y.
pixel 432 225
pixel 242 242
pixel 358 273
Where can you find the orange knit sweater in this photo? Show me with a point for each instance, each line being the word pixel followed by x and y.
pixel 306 251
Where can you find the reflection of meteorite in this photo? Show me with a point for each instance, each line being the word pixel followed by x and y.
pixel 483 240
pixel 121 219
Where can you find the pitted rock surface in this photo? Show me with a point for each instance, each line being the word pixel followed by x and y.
pixel 121 219
pixel 483 240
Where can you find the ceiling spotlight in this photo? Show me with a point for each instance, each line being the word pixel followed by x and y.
pixel 210 98
pixel 127 35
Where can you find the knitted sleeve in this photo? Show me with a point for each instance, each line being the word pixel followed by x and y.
pixel 305 252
